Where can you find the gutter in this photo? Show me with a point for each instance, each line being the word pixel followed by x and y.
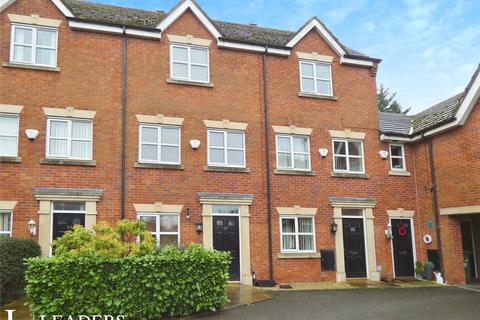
pixel 435 205
pixel 124 122
pixel 267 157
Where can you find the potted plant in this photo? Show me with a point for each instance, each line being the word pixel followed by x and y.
pixel 419 270
pixel 428 270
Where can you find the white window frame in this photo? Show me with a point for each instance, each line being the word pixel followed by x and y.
pixel 225 149
pixel 34 45
pixel 296 233
pixel 404 164
pixel 157 234
pixel 10 227
pixel 9 115
pixel 189 62
pixel 159 144
pixel 315 78
pixel 69 139
pixel 348 156
pixel 292 152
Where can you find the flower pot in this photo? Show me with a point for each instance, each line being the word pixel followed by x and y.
pixel 418 276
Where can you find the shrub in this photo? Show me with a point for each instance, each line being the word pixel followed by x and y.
pixel 128 238
pixel 419 268
pixel 13 251
pixel 174 282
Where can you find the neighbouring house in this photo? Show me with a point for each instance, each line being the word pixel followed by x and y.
pixel 266 143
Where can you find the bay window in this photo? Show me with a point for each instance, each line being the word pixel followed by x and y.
pixel 348 156
pixel 297 234
pixel 70 139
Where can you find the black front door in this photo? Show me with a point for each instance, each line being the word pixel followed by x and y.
pixel 62 222
pixel 354 248
pixel 226 238
pixel 402 247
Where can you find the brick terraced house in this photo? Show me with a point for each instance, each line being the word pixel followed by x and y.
pixel 262 142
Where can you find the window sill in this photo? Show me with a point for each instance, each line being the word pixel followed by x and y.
pixel 399 173
pixel 190 83
pixel 350 175
pixel 158 166
pixel 10 159
pixel 295 172
pixel 226 169
pixel 299 255
pixel 69 162
pixel 28 66
pixel 316 96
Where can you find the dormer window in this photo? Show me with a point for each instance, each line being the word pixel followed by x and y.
pixel 33 45
pixel 316 78
pixel 189 63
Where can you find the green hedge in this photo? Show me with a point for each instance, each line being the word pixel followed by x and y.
pixel 174 282
pixel 13 251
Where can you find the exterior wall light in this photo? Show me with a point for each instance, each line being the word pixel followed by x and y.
pixel 195 144
pixel 383 154
pixel 323 152
pixel 32 134
pixel 333 227
pixel 188 214
pixel 199 227
pixel 388 231
pixel 32 227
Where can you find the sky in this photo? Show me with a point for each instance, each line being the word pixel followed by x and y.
pixel 430 48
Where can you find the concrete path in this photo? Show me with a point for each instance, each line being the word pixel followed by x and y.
pixel 384 304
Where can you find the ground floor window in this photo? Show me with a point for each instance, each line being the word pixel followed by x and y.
pixel 297 234
pixel 5 224
pixel 164 227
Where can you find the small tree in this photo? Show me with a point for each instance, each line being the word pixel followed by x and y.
pixel 387 103
pixel 128 238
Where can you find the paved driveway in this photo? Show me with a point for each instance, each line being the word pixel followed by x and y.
pixel 418 303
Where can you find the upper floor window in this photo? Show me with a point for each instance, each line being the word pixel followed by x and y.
pixel 71 139
pixel 159 144
pixel 297 234
pixel 348 156
pixel 5 224
pixel 9 135
pixel 397 157
pixel 293 152
pixel 34 45
pixel 226 148
pixel 189 63
pixel 164 227
pixel 316 77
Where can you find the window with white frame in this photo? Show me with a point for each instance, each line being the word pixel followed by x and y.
pixel 348 156
pixel 33 45
pixel 297 234
pixel 164 227
pixel 189 63
pixel 9 135
pixel 71 139
pixel 159 144
pixel 5 224
pixel 226 148
pixel 316 77
pixel 293 152
pixel 397 157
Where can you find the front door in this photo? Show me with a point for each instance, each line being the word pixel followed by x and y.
pixel 402 248
pixel 226 238
pixel 62 222
pixel 354 248
pixel 468 249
